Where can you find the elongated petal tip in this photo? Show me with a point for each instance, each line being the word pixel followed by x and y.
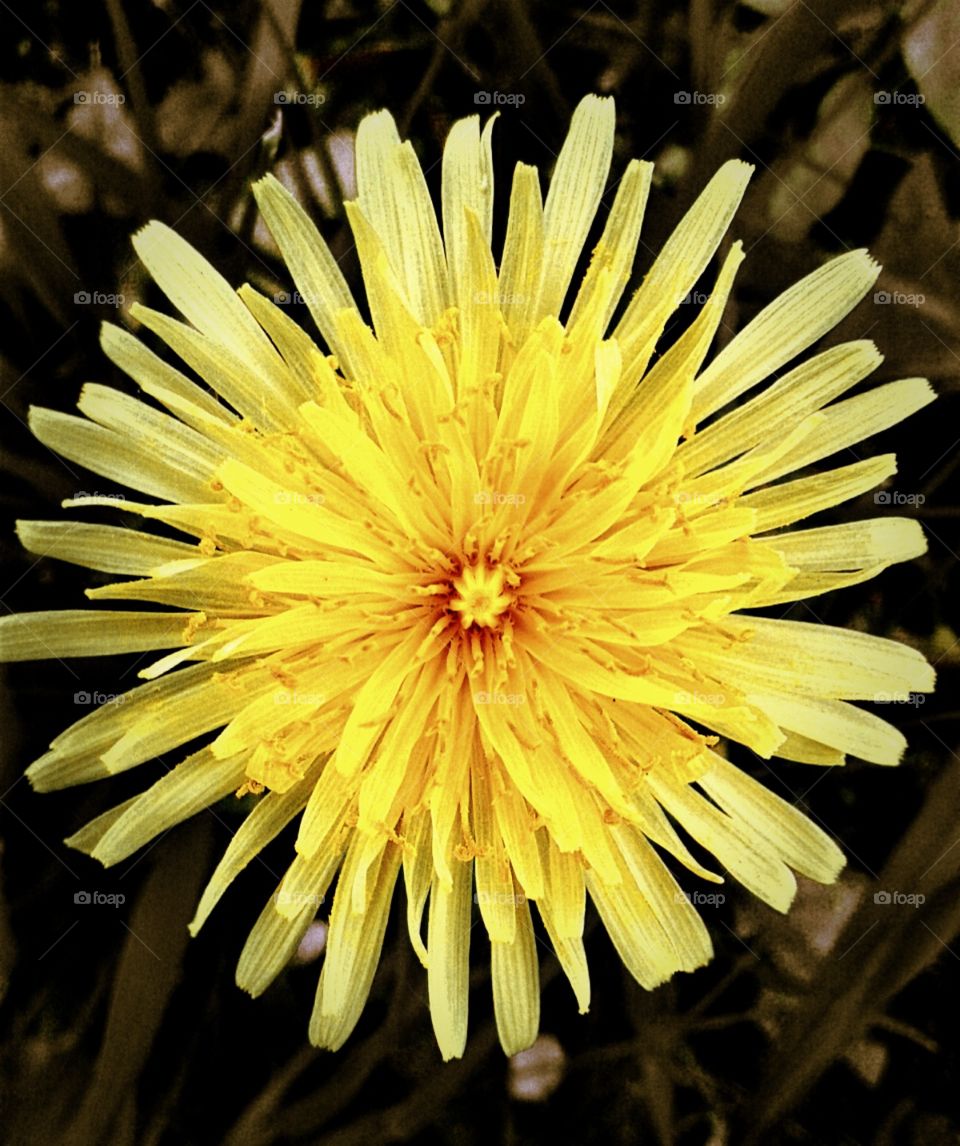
pixel 152 237
pixel 857 262
pixel 736 171
pixel 268 187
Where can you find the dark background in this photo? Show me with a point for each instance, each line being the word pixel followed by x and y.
pixel 835 1024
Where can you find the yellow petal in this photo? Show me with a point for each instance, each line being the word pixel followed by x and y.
pixel 271 815
pixel 353 951
pixel 746 856
pixel 315 271
pixel 105 547
pixel 190 787
pixel 788 325
pixel 448 969
pixel 515 974
pixel 393 194
pixel 467 182
pixel 578 182
pixel 87 633
pixel 682 260
pixel 804 846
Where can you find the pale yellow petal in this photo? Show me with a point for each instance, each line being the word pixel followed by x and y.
pixel 271 815
pixel 448 968
pixel 846 423
pixel 190 787
pixel 788 325
pixel 315 271
pixel 617 247
pixel 156 377
pixel 576 187
pixel 62 633
pixel 802 391
pixel 522 262
pixel 851 544
pixel 119 457
pixel 837 724
pixel 767 654
pixel 680 263
pixel 417 874
pixel 805 847
pixel 787 502
pixel 467 182
pixel 109 548
pixel 353 951
pixel 393 194
pixel 515 973
pixel 748 858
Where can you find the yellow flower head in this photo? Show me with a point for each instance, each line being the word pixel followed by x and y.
pixel 465 597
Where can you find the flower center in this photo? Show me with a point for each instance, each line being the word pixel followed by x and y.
pixel 480 595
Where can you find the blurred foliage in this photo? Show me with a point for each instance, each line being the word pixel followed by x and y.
pixel 835 1024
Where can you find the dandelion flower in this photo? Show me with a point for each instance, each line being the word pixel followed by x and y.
pixel 465 595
